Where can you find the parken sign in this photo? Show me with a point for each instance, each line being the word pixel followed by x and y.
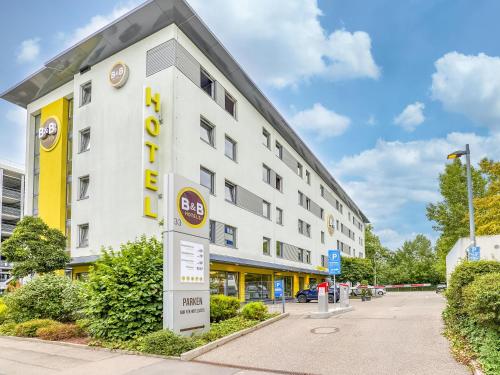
pixel 49 133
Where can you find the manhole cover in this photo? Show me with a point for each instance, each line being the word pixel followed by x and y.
pixel 324 330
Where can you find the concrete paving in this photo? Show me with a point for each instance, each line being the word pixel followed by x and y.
pixel 22 357
pixel 400 333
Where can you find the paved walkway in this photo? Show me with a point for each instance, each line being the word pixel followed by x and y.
pixel 398 334
pixel 23 357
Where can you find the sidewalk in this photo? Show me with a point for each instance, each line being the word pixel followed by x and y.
pixel 25 357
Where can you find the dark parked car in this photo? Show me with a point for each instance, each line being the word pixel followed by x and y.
pixel 311 294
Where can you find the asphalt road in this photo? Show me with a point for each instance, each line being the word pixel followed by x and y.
pixel 399 333
pixel 25 357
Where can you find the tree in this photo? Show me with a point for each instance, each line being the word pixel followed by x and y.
pixel 487 208
pixel 356 269
pixel 34 247
pixel 414 262
pixel 450 214
pixel 377 254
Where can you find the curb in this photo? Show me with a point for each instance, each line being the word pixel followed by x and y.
pixel 187 356
pixel 329 313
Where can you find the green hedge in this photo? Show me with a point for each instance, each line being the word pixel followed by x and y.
pixel 223 307
pixel 125 292
pixel 48 296
pixel 166 342
pixel 254 311
pixel 482 299
pixel 29 328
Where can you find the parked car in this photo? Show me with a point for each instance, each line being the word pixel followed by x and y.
pixel 311 294
pixel 380 291
pixel 440 288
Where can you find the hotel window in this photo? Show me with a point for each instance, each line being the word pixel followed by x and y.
pixel 230 192
pixel 279 216
pixel 85 93
pixel 83 235
pixel 207 83
pixel 279 183
pixel 338 225
pixel 211 234
pixel 308 203
pixel 321 213
pixel 322 190
pixel 224 283
pixel 307 257
pixel 301 226
pixel 230 148
pixel 279 150
pixel 84 187
pixel 322 237
pixel 266 138
pixel 301 198
pixel 299 169
pixel 308 177
pixel 230 104
pixel 84 140
pixel 300 255
pixel 279 249
pixel 324 261
pixel 266 174
pixel 207 132
pixel 207 179
pixel 266 209
pixel 229 236
pixel 266 246
pixel 308 230
pixel 349 216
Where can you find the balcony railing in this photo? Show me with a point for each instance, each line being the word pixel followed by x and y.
pixel 11 193
pixel 8 228
pixel 11 211
pixel 5 264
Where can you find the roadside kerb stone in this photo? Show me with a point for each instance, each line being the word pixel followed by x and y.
pixel 187 356
pixel 331 312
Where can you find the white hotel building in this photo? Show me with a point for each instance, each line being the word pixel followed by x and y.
pixel 275 210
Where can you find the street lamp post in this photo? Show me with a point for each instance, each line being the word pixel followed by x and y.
pixel 455 155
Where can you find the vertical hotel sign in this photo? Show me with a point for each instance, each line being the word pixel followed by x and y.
pixel 151 139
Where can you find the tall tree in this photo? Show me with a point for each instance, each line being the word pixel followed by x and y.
pixel 34 247
pixel 356 269
pixel 377 254
pixel 487 208
pixel 450 214
pixel 414 262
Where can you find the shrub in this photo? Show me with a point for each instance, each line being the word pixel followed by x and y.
pixel 166 342
pixel 48 296
pixel 482 299
pixel 226 327
pixel 223 307
pixel 125 291
pixel 254 311
pixel 59 331
pixel 463 275
pixel 29 328
pixel 3 311
pixel 8 329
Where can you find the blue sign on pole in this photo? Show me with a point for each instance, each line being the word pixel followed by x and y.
pixel 278 289
pixel 474 253
pixel 334 267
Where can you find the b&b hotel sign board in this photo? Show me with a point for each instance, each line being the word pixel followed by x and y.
pixel 186 261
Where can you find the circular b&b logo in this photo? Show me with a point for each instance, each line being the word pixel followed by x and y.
pixel 191 207
pixel 330 225
pixel 118 75
pixel 49 133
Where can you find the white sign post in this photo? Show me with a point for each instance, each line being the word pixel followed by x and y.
pixel 186 293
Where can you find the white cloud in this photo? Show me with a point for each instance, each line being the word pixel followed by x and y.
pixel 469 85
pixel 394 177
pixel 97 22
pixel 411 117
pixel 281 42
pixel 17 115
pixel 29 50
pixel 372 121
pixel 321 122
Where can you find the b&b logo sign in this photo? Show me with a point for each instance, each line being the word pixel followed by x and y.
pixel 192 207
pixel 49 133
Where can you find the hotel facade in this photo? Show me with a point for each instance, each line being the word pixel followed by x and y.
pixel 154 93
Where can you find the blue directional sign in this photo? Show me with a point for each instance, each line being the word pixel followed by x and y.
pixel 278 289
pixel 334 267
pixel 474 253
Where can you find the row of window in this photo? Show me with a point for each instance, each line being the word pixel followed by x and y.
pixel 304 228
pixel 207 134
pixel 207 84
pixel 266 177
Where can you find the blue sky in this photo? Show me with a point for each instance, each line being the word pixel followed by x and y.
pixel 381 90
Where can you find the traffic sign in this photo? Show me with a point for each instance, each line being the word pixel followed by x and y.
pixel 334 261
pixel 474 253
pixel 278 289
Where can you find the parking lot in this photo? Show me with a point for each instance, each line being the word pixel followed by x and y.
pixel 399 333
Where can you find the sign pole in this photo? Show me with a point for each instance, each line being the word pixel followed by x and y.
pixel 283 295
pixel 334 291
